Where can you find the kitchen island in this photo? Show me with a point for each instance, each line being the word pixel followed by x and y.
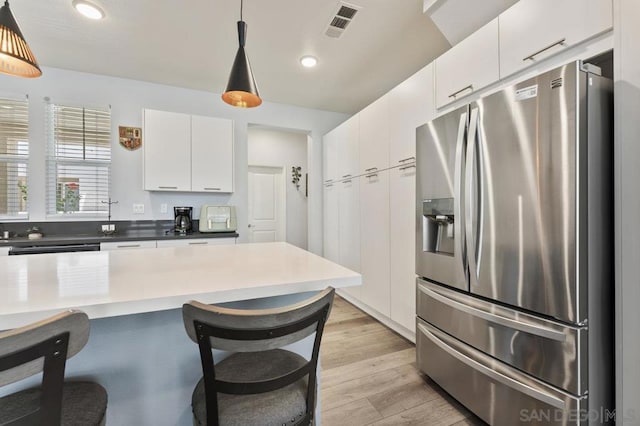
pixel 138 347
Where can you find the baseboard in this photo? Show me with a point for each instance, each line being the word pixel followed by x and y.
pixel 383 319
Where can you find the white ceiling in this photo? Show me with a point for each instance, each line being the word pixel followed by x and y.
pixel 192 44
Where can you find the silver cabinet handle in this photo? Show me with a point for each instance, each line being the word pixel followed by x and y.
pixel 198 243
pixel 211 189
pixel 168 187
pixel 328 185
pixel 128 246
pixel 410 166
pixel 454 94
pixel 346 181
pixel 406 159
pixel 371 169
pixel 533 55
pixel 346 176
pixel 535 330
pixel 328 180
pixel 501 378
pixel 371 175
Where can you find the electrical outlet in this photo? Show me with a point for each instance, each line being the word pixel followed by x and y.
pixel 138 209
pixel 163 208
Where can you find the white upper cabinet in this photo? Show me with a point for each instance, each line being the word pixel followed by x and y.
pixel 211 154
pixel 330 143
pixel 533 30
pixel 167 151
pixel 348 149
pixel 468 66
pixel 410 105
pixel 374 136
pixel 187 153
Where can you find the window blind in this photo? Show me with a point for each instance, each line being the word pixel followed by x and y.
pixel 14 157
pixel 79 160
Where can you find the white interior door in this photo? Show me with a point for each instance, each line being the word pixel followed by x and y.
pixel 266 204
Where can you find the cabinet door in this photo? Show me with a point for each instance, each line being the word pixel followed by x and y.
pixel 411 105
pixel 349 228
pixel 348 149
pixel 330 154
pixel 196 242
pixel 374 136
pixel 211 154
pixel 402 243
pixel 533 30
pixel 4 251
pixel 127 245
pixel 468 66
pixel 374 240
pixel 331 231
pixel 167 151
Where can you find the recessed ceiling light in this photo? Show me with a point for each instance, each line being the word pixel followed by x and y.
pixel 308 61
pixel 88 9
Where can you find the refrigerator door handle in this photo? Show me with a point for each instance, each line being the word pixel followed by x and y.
pixel 500 378
pixel 496 319
pixel 469 210
pixel 458 205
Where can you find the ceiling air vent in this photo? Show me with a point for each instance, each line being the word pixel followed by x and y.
pixel 341 19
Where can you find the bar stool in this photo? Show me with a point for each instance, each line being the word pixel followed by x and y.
pixel 260 383
pixel 44 347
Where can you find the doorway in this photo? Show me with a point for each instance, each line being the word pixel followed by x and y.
pixel 273 154
pixel 267 204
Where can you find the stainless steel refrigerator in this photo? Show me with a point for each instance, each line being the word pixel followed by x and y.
pixel 514 251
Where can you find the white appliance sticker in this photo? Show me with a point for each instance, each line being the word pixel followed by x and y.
pixel 527 93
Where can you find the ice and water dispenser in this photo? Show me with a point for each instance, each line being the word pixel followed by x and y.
pixel 438 226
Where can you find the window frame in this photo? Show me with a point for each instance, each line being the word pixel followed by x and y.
pixel 53 161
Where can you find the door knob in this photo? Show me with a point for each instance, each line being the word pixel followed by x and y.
pixel 249 225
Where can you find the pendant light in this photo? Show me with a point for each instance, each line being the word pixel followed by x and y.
pixel 241 90
pixel 16 57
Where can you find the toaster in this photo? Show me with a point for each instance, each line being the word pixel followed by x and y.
pixel 218 219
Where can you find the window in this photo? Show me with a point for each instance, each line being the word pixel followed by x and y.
pixel 79 160
pixel 14 156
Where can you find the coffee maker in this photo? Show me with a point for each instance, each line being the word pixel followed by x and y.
pixel 183 219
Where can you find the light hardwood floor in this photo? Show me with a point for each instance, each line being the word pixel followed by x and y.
pixel 369 377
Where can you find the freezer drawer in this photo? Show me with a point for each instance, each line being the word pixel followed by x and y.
pixel 552 352
pixel 495 392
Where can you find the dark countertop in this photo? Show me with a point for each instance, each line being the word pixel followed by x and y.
pixel 129 235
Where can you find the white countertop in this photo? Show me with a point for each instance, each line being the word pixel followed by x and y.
pixel 123 282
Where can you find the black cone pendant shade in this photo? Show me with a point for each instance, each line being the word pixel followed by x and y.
pixel 16 57
pixel 241 90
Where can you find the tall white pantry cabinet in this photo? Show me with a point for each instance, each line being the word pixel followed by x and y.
pixel 369 208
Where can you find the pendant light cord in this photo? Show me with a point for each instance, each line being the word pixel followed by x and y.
pixel 241 1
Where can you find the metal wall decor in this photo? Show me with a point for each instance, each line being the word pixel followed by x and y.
pixel 296 175
pixel 130 137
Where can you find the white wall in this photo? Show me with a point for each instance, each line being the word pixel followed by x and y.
pixel 127 99
pixel 279 148
pixel 627 209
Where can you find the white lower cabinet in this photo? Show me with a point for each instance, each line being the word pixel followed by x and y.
pixel 331 217
pixel 196 242
pixel 374 240
pixel 349 228
pixel 402 243
pixel 127 245
pixel 4 251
